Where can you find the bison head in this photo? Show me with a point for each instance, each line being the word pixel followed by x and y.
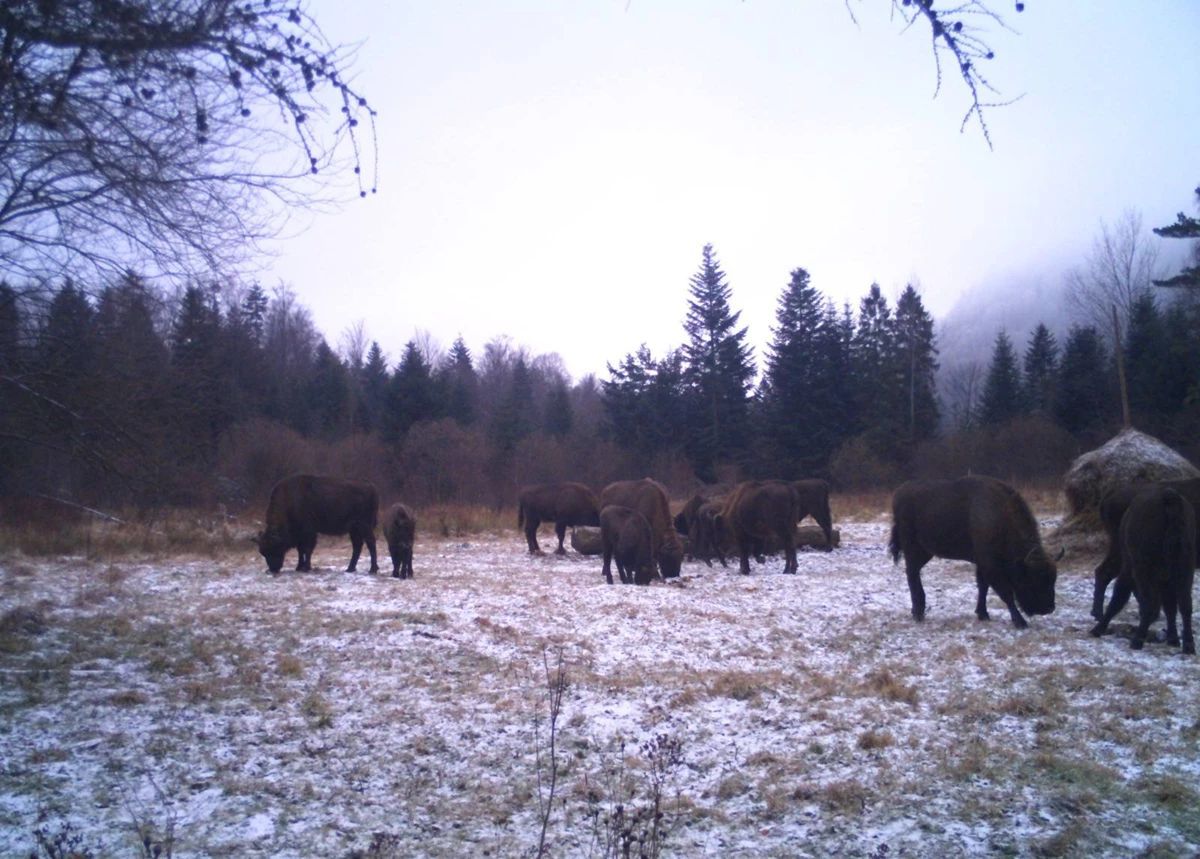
pixel 272 546
pixel 670 559
pixel 1033 581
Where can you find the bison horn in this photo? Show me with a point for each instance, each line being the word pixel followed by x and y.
pixel 1062 551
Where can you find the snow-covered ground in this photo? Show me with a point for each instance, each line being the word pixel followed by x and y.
pixel 335 714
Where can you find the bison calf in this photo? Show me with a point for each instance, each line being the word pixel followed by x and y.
pixel 976 519
pixel 400 529
pixel 1158 552
pixel 627 539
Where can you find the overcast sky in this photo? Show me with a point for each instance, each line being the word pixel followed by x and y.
pixel 550 169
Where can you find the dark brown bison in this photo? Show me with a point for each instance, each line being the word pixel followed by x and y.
pixel 1157 538
pixel 626 537
pixel 303 506
pixel 564 504
pixel 649 498
pixel 813 499
pixel 975 519
pixel 1112 508
pixel 400 530
pixel 755 511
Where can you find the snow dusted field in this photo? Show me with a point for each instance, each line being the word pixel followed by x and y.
pixel 335 714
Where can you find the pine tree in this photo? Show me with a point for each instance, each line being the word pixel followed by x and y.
pixel 801 392
pixel 879 397
pixel 1001 400
pixel 411 394
pixel 1083 403
pixel 719 369
pixel 557 418
pixel 1147 354
pixel 1040 370
pixel 460 384
pixel 373 383
pixel 197 378
pixel 515 417
pixel 916 352
pixel 1184 228
pixel 328 393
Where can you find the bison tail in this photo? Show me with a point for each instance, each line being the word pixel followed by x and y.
pixel 894 545
pixel 1173 532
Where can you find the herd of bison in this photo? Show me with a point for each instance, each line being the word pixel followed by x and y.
pixel 1151 528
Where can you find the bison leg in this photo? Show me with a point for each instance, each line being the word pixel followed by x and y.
pixel 1169 609
pixel 981 611
pixel 560 529
pixel 1003 590
pixel 407 569
pixel 397 561
pixel 305 549
pixel 369 538
pixel 1149 605
pixel 607 569
pixel 744 558
pixel 531 527
pixel 1121 591
pixel 790 565
pixel 1185 609
pixel 826 522
pixel 1105 573
pixel 356 544
pixel 914 560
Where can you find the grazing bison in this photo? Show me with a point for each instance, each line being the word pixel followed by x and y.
pixel 757 510
pixel 1158 557
pixel 564 504
pixel 1112 508
pixel 400 530
pixel 303 506
pixel 649 498
pixel 813 499
pixel 626 537
pixel 975 519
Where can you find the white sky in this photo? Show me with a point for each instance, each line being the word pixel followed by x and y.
pixel 550 169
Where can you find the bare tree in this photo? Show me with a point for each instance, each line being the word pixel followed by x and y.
pixel 1122 266
pixel 169 135
pixel 353 345
pixel 961 386
pixel 959 35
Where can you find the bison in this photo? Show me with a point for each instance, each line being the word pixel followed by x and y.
pixel 303 506
pixel 626 537
pixel 400 530
pixel 813 499
pixel 755 511
pixel 1112 508
pixel 564 504
pixel 976 519
pixel 1157 541
pixel 649 498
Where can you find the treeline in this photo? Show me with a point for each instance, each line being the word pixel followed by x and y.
pixel 124 394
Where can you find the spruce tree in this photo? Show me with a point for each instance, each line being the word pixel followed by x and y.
pixel 198 382
pixel 1001 399
pixel 719 369
pixel 1040 370
pixel 1083 403
pixel 916 354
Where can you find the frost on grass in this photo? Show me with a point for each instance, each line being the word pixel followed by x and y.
pixel 335 714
